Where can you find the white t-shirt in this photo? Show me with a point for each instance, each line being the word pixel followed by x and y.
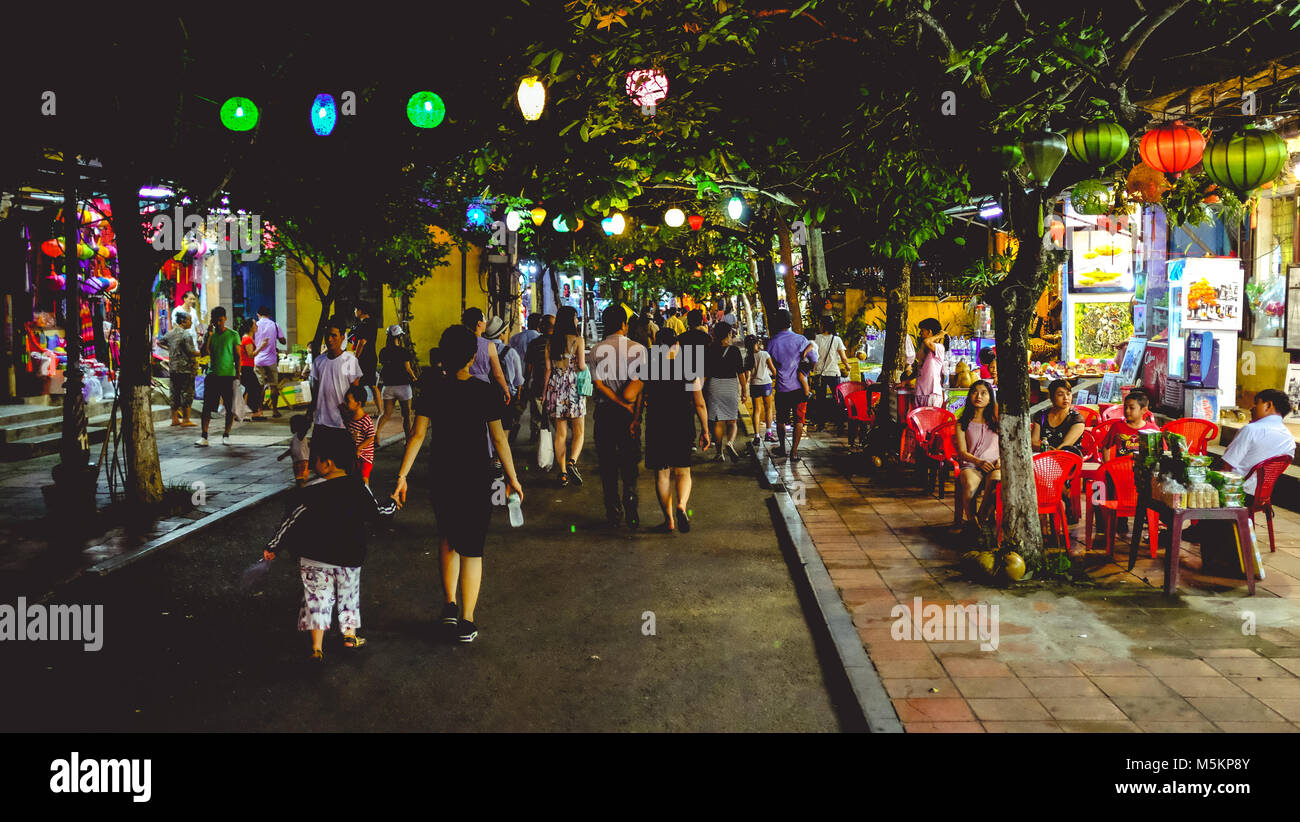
pixel 762 369
pixel 829 347
pixel 333 378
pixel 298 449
pixel 1258 441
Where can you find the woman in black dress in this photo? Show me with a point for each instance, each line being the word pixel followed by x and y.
pixel 671 403
pixel 1060 427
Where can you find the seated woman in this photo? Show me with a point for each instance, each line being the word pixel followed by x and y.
pixel 1060 427
pixel 977 448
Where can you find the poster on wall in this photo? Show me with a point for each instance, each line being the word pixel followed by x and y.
pixel 1110 388
pixel 1140 319
pixel 1128 370
pixel 1293 390
pixel 1101 263
pixel 1210 298
pixel 1293 308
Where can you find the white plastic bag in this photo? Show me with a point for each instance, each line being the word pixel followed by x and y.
pixel 545 451
pixel 241 409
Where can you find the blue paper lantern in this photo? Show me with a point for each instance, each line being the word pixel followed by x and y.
pixel 324 115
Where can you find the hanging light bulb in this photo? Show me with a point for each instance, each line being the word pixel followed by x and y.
pixel 674 217
pixel 538 215
pixel 512 220
pixel 239 114
pixel 425 109
pixel 532 97
pixel 735 208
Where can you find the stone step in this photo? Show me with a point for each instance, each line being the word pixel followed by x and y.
pixel 36 442
pixel 12 415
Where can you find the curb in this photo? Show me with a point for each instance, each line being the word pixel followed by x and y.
pixel 869 691
pixel 122 560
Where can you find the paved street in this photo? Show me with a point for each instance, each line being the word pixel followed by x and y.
pixel 561 645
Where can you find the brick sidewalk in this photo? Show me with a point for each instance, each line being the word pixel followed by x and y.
pixel 239 474
pixel 1116 655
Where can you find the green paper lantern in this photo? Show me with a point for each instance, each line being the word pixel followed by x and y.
pixel 425 109
pixel 1092 197
pixel 1098 144
pixel 239 114
pixel 1245 160
pixel 1043 153
pixel 1008 157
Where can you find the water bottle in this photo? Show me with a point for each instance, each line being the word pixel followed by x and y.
pixel 516 510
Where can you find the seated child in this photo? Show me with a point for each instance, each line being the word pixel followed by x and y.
pixel 327 530
pixel 1124 437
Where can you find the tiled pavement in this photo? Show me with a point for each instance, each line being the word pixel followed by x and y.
pixel 231 475
pixel 1115 655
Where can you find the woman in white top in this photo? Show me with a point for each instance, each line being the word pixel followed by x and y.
pixel 826 374
pixel 762 413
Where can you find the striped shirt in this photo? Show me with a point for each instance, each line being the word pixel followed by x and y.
pixel 363 429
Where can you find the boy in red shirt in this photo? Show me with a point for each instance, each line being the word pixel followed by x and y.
pixel 1124 437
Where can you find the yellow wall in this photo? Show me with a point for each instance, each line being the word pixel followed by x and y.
pixel 951 312
pixel 1268 362
pixel 435 305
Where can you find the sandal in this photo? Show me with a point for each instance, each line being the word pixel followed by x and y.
pixel 353 641
pixel 564 480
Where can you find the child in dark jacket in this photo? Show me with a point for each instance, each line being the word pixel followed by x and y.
pixel 327 530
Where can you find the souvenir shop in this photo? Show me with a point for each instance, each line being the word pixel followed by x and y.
pixel 36 304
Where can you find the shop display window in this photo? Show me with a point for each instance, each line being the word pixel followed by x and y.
pixel 1267 291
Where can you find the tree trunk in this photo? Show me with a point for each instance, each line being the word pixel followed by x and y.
pixel 767 289
pixel 898 281
pixel 791 287
pixel 1013 301
pixel 138 263
pixel 815 260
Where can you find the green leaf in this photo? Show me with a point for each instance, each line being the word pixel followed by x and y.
pixel 584 133
pixel 959 240
pixel 555 61
pixel 568 128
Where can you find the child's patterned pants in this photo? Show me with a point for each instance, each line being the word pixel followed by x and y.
pixel 322 586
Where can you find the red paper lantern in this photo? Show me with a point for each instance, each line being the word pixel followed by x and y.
pixel 1058 232
pixel 1172 148
pixel 53 248
pixel 696 221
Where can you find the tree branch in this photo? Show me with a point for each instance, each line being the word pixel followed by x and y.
pixel 1140 36
pixel 1245 29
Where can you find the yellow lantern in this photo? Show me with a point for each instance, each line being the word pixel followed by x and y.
pixel 532 97
pixel 539 215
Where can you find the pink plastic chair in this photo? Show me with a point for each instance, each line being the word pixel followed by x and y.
pixel 1116 412
pixel 943 449
pixel 1199 433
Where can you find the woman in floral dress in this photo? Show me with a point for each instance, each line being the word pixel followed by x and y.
pixel 564 403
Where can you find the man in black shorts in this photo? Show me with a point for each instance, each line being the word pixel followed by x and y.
pixel 221 345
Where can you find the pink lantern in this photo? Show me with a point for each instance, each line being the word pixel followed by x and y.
pixel 647 87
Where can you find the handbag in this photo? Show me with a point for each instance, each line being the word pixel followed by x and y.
pixel 583 382
pixel 545 450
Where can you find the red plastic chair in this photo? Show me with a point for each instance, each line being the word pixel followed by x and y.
pixel 943 450
pixel 860 406
pixel 1199 433
pixel 1089 444
pixel 1269 470
pixel 922 422
pixel 1118 474
pixel 844 389
pixel 1052 470
pixel 1090 417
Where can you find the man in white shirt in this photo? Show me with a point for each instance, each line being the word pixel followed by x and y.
pixel 333 373
pixel 265 364
pixel 1264 438
pixel 617 367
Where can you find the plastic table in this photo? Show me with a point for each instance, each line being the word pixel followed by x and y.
pixel 1175 517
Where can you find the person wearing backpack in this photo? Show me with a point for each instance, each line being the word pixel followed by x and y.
pixel 826 374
